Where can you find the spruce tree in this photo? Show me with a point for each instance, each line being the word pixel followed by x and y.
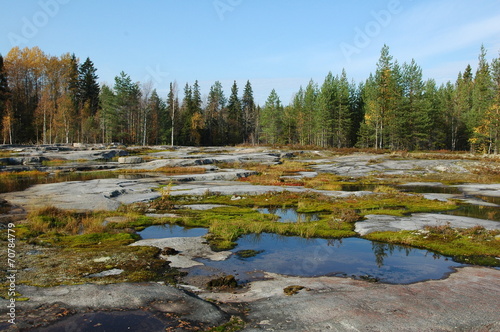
pixel 271 119
pixel 88 86
pixel 234 117
pixel 249 114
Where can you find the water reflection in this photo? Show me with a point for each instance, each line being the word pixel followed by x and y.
pixel 290 215
pixel 165 231
pixel 347 257
pixel 477 211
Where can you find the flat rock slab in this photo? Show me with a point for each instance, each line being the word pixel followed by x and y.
pixel 202 207
pixel 357 165
pixel 123 296
pixel 418 221
pixel 240 188
pixel 481 189
pixel 101 194
pixel 466 301
pixel 189 249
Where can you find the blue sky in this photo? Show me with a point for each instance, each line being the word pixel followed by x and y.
pixel 279 44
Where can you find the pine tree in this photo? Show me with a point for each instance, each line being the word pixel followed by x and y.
pixel 482 96
pixel 413 121
pixel 380 120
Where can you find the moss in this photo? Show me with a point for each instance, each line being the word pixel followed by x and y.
pixel 235 324
pixel 98 240
pixel 292 290
pixel 224 282
pixel 475 245
pixel 242 254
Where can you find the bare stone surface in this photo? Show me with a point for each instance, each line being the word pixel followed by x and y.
pixel 122 296
pixel 417 221
pixel 189 248
pixel 130 160
pixel 465 301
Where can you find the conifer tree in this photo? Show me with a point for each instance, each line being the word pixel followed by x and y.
pixel 482 97
pixel 249 114
pixel 234 117
pixel 271 119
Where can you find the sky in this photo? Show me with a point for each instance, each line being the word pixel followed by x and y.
pixel 276 44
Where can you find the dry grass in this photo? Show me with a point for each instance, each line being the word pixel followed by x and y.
pixel 166 170
pixel 23 174
pixel 52 219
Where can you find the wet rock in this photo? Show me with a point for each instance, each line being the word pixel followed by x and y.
pixel 189 249
pixel 123 296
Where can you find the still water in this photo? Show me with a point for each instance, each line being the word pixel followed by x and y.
pixel 164 231
pixel 290 215
pixel 351 257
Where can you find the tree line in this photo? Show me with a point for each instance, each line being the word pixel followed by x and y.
pixel 49 99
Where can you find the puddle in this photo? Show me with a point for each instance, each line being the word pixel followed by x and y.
pixel 477 211
pixel 429 189
pixel 165 231
pixel 136 320
pixel 351 257
pixel 489 199
pixel 357 187
pixel 290 215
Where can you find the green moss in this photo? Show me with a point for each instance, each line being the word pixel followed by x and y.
pixel 235 324
pixel 98 240
pixel 292 290
pixel 247 253
pixel 473 246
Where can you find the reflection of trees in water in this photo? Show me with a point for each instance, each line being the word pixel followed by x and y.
pixel 336 243
pixel 379 249
pixel 383 250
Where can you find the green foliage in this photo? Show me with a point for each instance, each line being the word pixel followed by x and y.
pixel 469 245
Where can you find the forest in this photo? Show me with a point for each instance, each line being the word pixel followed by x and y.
pixel 47 99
